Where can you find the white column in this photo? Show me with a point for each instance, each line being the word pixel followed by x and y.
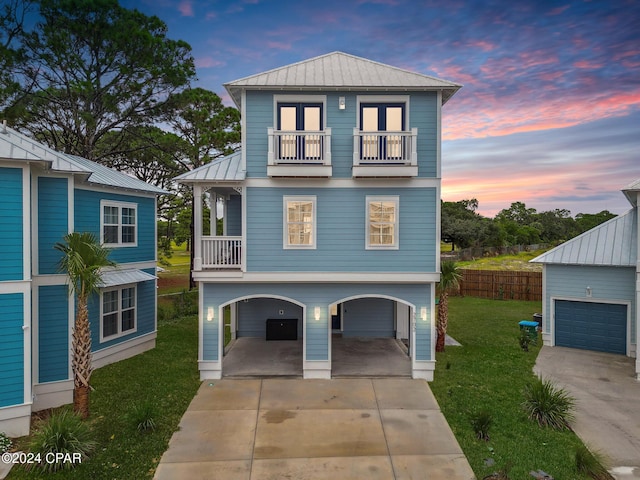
pixel 197 228
pixel 213 217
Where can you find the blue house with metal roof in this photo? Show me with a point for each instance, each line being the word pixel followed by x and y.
pixel 331 213
pixel 45 195
pixel 591 286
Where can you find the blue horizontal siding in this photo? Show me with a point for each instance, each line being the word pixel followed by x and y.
pixel 87 219
pixel 234 216
pixel 12 368
pixel 368 317
pixel 145 314
pixel 316 295
pixel 252 315
pixel 53 224
pixel 341 229
pixel 53 333
pixel 11 231
pixel 423 115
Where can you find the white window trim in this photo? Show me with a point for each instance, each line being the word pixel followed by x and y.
pixel 384 99
pixel 120 333
pixel 120 206
pixel 285 224
pixel 277 99
pixel 396 239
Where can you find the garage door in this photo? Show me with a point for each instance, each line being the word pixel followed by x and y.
pixel 591 326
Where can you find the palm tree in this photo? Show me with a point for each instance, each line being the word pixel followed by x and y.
pixel 83 258
pixel 449 280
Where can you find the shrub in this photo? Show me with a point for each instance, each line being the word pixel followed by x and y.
pixel 142 416
pixel 591 464
pixel 63 433
pixel 548 405
pixel 481 422
pixel 5 443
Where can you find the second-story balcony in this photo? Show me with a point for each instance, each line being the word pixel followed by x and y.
pixel 385 153
pixel 221 253
pixel 299 153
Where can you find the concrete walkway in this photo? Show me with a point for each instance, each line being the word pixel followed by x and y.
pixel 258 429
pixel 607 395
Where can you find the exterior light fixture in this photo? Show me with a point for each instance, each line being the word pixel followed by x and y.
pixel 342 104
pixel 316 313
pixel 210 314
pixel 423 313
pixel 589 291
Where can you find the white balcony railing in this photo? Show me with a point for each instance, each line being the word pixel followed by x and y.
pixel 299 147
pixel 221 252
pixel 385 148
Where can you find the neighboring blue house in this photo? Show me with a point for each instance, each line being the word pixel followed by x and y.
pixel 45 195
pixel 331 211
pixel 591 286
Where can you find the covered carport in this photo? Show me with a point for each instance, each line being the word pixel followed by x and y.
pixel 265 337
pixel 370 337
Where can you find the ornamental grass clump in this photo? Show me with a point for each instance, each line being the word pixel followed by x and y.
pixel 141 416
pixel 62 435
pixel 548 405
pixel 481 422
pixel 5 443
pixel 591 464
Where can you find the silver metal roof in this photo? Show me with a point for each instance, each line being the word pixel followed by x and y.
pixel 612 243
pixel 102 175
pixel 341 71
pixel 225 169
pixel 112 278
pixel 632 191
pixel 18 147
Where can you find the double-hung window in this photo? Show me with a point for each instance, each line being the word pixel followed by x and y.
pixel 300 130
pixel 118 315
pixel 299 222
pixel 382 222
pixel 119 224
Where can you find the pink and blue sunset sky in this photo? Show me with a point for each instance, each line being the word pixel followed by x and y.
pixel 549 114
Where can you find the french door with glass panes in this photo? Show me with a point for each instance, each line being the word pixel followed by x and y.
pixel 381 126
pixel 300 126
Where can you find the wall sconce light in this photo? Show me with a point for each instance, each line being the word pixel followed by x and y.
pixel 423 313
pixel 342 104
pixel 209 314
pixel 589 292
pixel 316 313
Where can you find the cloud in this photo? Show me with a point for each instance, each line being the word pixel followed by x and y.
pixel 208 62
pixel 185 7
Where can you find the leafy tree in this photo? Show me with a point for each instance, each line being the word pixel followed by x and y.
pixel 92 68
pixel 450 276
pixel 586 221
pixel 208 129
pixel 12 16
pixel 517 212
pixel 83 259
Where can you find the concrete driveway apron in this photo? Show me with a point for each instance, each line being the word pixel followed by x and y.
pixel 387 428
pixel 607 394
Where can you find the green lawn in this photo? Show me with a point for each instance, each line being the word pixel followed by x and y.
pixel 518 261
pixel 489 372
pixel 166 376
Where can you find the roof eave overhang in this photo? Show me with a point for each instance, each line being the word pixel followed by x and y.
pixel 235 91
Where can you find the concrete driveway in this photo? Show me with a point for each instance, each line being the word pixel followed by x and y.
pixel 607 396
pixel 259 429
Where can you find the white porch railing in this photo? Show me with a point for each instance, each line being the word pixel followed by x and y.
pixel 221 252
pixel 388 148
pixel 299 147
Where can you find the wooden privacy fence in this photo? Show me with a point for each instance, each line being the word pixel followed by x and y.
pixel 501 285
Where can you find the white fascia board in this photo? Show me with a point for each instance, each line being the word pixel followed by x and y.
pixel 316 277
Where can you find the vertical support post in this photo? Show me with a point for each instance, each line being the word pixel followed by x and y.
pixel 197 228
